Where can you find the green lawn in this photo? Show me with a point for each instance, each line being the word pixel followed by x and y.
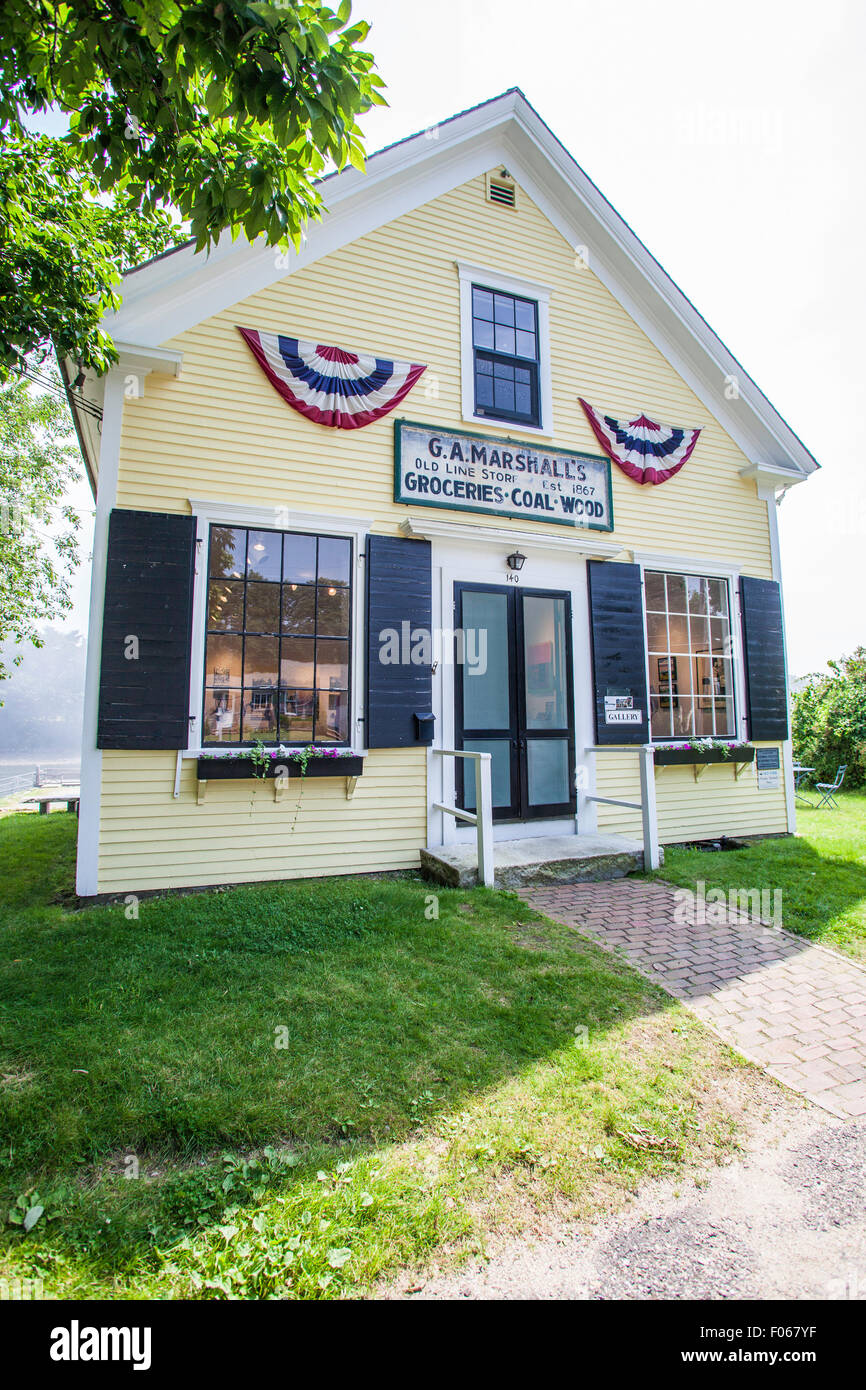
pixel 294 1090
pixel 821 873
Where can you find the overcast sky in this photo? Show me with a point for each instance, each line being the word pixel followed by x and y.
pixel 731 138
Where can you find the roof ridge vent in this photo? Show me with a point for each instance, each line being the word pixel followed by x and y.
pixel 502 189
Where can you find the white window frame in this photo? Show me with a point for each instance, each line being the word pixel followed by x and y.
pixel 708 569
pixel 276 518
pixel 470 275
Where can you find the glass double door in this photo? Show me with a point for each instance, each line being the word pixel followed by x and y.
pixel 514 697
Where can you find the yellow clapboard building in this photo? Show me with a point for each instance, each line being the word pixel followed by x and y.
pixel 468 543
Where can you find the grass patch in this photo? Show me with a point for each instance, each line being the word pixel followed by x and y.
pixel 821 873
pixel 291 1090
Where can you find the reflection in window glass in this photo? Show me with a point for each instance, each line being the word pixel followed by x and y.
pixel 277 645
pixel 690 656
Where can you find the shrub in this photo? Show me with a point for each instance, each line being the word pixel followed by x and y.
pixel 828 720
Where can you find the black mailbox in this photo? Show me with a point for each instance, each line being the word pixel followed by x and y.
pixel 424 727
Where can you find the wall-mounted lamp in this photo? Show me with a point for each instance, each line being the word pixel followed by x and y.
pixel 515 561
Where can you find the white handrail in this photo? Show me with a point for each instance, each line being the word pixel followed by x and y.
pixel 647 803
pixel 483 817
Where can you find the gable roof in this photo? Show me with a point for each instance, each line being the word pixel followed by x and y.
pixel 180 288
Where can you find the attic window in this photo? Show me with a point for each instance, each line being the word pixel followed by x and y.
pixel 502 189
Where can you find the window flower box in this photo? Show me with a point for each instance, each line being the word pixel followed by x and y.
pixel 695 753
pixel 237 766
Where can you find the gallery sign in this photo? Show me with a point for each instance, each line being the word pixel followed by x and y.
pixel 501 477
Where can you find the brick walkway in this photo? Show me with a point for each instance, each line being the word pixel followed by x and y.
pixel 796 1009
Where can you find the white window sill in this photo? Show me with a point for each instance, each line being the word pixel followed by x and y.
pixel 497 426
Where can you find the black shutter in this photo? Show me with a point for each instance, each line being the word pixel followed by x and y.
pixel 150 570
pixel 399 590
pixel 618 646
pixel 764 649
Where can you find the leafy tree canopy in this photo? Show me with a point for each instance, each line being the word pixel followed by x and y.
pixel 38 549
pixel 828 724
pixel 225 112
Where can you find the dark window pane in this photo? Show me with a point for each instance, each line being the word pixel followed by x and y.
pixel 718 597
pixel 482 303
pixel 299 559
pixel 676 593
pixel 222 716
pixel 482 333
pixel 699 634
pixel 526 345
pixel 678 633
pixel 523 400
pixel 697 593
pixel 333 617
pixel 260 715
pixel 656 632
pixel 655 590
pixel 725 719
pixel 227 552
pixel 222 662
pixel 483 366
pixel 225 606
pixel 524 314
pixel 335 558
pixel 332 665
pixel 264 555
pixel 503 309
pixel 260 660
pixel 720 635
pixel 503 395
pixel 661 720
pixel 263 608
pixel 299 609
pixel 504 370
pixel 296 716
pixel 296 661
pixel 484 388
pixel 332 716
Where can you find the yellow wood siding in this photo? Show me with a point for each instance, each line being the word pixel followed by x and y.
pixel 240 834
pixel 717 803
pixel 221 432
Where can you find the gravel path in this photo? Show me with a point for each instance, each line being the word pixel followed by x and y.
pixel 785 1221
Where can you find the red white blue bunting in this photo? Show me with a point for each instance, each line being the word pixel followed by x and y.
pixel 333 386
pixel 646 451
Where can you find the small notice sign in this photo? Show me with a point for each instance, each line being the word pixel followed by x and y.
pixel 768 768
pixel 619 709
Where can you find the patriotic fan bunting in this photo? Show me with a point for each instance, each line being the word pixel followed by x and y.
pixel 332 385
pixel 647 452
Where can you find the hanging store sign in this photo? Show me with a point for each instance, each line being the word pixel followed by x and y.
pixel 501 477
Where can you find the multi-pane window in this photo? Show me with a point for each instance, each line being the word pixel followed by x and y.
pixel 505 348
pixel 688 623
pixel 278 637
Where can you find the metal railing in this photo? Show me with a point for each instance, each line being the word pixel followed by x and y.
pixel 647 803
pixel 10 785
pixel 482 817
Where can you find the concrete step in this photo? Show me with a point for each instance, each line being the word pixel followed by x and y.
pixel 542 859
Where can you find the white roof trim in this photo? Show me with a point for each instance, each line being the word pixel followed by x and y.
pixel 180 289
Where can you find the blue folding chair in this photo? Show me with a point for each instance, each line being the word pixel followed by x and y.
pixel 828 788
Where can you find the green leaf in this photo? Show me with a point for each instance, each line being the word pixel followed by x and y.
pixel 337 1258
pixel 32 1216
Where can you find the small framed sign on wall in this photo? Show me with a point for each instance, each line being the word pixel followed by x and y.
pixel 768 768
